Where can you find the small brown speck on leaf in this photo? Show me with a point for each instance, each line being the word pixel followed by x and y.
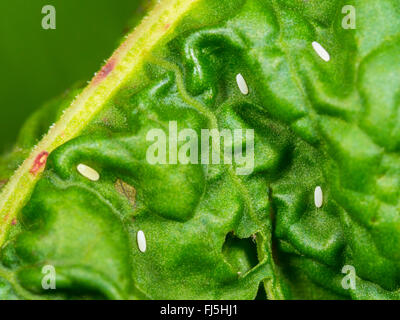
pixel 106 121
pixel 105 71
pixel 126 190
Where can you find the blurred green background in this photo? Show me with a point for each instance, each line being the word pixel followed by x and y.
pixel 38 64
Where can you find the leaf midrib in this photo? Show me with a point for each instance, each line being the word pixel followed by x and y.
pixel 128 58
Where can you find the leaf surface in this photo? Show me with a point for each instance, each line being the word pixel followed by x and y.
pixel 212 233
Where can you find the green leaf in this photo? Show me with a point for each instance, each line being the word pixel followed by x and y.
pixel 210 232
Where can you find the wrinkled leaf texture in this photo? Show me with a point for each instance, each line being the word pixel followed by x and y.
pixel 212 234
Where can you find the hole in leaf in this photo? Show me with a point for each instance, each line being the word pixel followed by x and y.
pixel 261 294
pixel 241 254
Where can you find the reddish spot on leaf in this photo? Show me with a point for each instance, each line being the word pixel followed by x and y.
pixel 14 222
pixel 5 217
pixel 39 163
pixel 105 71
pixel 167 26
